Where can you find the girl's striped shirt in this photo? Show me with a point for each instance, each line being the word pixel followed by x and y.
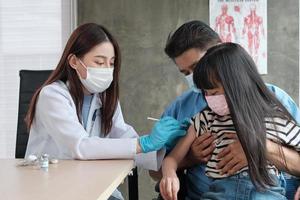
pixel 278 130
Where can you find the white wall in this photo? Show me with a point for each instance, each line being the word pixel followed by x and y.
pixel 32 36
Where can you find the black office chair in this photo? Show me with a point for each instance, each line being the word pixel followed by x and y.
pixel 30 81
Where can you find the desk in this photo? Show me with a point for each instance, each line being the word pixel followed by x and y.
pixel 69 179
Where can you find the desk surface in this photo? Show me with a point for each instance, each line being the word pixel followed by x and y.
pixel 69 179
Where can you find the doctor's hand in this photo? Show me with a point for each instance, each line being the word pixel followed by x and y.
pixel 232 157
pixel 166 130
pixel 184 125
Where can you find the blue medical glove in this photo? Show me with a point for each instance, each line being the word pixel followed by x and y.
pixel 184 125
pixel 166 129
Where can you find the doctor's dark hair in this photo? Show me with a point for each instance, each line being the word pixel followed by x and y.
pixel 81 41
pixel 249 101
pixel 193 34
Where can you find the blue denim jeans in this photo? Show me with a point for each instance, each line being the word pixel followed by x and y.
pixel 197 182
pixel 291 184
pixel 240 187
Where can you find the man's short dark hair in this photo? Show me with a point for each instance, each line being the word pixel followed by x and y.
pixel 193 34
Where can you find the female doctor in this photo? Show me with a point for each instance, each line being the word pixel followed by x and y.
pixel 76 113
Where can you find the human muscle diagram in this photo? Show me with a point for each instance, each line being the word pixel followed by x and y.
pixel 243 22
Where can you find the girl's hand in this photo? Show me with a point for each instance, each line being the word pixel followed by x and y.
pixel 169 186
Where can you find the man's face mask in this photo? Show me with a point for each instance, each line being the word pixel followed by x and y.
pixel 190 82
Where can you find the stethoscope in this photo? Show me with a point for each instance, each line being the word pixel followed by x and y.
pixel 93 121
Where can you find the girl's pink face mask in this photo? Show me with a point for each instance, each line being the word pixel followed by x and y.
pixel 218 104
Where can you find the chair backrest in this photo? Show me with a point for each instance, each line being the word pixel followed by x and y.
pixel 30 81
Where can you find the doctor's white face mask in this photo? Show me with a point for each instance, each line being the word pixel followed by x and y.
pixel 97 79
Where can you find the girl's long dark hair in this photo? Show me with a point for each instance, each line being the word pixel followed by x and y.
pixel 82 40
pixel 249 101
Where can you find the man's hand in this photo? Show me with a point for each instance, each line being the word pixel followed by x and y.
pixel 232 157
pixel 202 148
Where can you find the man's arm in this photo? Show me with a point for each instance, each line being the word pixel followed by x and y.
pixel 233 156
pixel 291 156
pixel 286 101
pixel 291 162
pixel 234 159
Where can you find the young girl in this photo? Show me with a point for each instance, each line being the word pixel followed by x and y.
pixel 76 113
pixel 240 103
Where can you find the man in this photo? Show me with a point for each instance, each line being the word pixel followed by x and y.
pixel 186 47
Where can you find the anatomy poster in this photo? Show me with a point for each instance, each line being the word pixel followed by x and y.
pixel 243 22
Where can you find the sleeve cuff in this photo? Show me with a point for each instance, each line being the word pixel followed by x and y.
pixel 151 160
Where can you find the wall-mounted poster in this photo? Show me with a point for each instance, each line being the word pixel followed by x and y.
pixel 243 22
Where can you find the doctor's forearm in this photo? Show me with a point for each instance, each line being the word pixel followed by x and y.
pixel 292 158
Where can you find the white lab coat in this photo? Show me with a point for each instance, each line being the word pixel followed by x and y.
pixel 57 131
